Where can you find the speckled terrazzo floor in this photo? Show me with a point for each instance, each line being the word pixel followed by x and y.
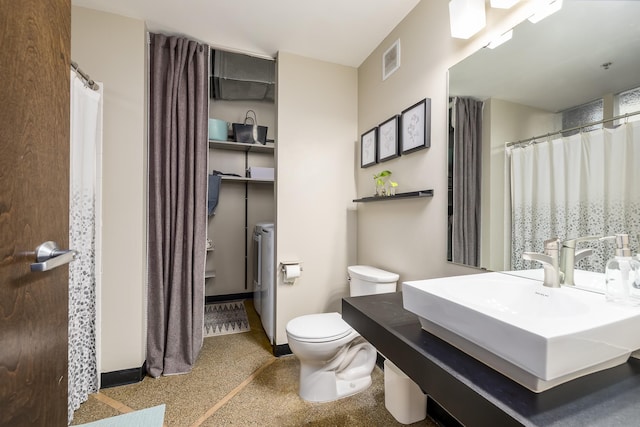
pixel 238 382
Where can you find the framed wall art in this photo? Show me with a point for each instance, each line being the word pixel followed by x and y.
pixel 368 142
pixel 391 60
pixel 388 139
pixel 415 127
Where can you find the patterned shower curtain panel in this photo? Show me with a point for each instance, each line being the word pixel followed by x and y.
pixel 581 185
pixel 86 105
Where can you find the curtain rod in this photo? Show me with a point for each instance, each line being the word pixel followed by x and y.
pixel 85 77
pixel 528 140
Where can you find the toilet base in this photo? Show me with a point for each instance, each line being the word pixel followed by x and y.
pixel 322 387
pixel 347 373
pixel 348 388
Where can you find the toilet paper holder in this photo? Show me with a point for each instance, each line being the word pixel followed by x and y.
pixel 284 264
pixel 283 269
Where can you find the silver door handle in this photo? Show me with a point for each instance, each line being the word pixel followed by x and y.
pixel 49 256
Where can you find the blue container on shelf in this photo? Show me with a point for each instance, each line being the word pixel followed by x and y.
pixel 217 130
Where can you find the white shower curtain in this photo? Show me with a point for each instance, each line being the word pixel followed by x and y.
pixel 86 143
pixel 585 184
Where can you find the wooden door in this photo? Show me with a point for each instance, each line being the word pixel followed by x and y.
pixel 34 208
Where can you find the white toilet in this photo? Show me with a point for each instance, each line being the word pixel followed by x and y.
pixel 335 361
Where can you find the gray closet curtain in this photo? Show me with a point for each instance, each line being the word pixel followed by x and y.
pixel 178 130
pixel 467 142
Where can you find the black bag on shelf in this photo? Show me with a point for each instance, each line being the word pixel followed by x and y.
pixel 249 133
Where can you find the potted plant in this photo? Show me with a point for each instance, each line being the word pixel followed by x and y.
pixel 384 186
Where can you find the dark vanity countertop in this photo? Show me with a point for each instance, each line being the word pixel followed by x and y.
pixel 476 394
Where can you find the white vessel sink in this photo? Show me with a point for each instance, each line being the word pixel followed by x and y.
pixel 538 336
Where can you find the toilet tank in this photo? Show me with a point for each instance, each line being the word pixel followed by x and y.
pixel 367 280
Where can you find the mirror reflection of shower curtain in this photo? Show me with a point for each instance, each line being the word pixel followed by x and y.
pixel 584 184
pixel 85 170
pixel 467 157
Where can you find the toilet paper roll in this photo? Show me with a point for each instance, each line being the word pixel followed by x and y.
pixel 291 272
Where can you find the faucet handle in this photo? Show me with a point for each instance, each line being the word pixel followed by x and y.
pixel 572 243
pixel 550 254
pixel 582 253
pixel 541 258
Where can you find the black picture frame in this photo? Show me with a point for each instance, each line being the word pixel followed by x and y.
pixel 389 139
pixel 368 148
pixel 415 127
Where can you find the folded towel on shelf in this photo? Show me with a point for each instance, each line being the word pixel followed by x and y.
pixel 213 193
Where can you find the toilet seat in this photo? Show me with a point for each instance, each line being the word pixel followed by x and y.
pixel 322 327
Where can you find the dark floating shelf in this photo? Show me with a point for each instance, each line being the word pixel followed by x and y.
pixel 408 195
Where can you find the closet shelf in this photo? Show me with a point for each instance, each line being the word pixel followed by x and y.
pixel 240 146
pixel 408 195
pixel 242 179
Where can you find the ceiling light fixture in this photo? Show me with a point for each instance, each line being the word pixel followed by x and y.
pixel 466 17
pixel 503 4
pixel 505 37
pixel 545 8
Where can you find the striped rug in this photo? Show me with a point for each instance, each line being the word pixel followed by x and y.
pixel 225 318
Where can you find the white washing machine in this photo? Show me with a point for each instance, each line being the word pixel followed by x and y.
pixel 263 276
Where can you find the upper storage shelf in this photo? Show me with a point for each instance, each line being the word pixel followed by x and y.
pixel 243 179
pixel 241 146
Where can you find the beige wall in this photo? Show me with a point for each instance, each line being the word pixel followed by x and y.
pixel 315 151
pixel 111 49
pixel 409 237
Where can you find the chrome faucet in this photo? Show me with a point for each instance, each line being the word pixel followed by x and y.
pixel 550 262
pixel 569 256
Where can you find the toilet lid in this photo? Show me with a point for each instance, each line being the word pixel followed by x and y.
pixel 372 274
pixel 318 327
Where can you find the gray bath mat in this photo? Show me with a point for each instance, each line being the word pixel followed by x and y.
pixel 225 318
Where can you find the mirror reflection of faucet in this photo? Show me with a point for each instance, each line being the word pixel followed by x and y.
pixel 569 256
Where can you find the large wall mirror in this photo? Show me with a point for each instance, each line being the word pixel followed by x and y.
pixel 587 53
